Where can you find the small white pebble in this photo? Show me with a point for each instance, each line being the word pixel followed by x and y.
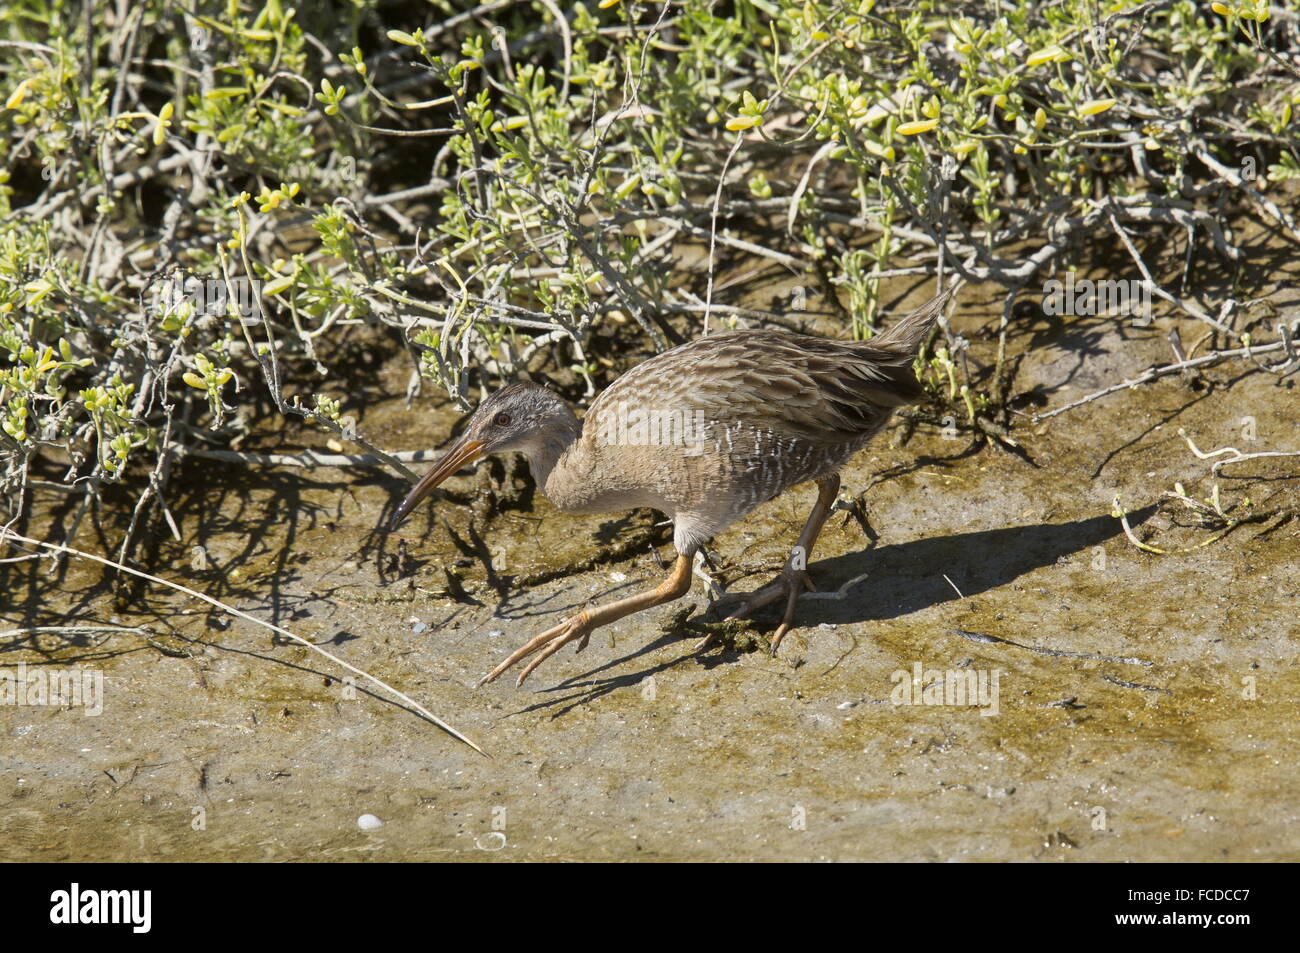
pixel 618 576
pixel 418 628
pixel 495 634
pixel 845 706
pixel 826 625
pixel 368 822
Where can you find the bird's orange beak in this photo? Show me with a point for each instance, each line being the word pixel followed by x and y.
pixel 463 451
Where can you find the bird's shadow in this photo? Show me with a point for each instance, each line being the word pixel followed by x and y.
pixel 888 582
pixel 885 582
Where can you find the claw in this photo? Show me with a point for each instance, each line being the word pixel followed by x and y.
pixel 545 645
pixel 789 583
pixel 587 621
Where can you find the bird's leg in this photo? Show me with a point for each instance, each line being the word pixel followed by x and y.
pixel 794 577
pixel 587 621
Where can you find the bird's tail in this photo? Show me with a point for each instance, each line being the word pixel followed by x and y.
pixel 902 340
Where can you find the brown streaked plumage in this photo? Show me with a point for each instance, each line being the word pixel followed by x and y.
pixel 704 433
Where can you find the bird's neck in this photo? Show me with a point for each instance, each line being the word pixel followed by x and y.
pixel 550 457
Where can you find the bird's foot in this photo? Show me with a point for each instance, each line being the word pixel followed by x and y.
pixel 791 583
pixel 545 645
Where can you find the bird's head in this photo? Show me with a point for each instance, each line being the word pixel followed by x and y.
pixel 523 416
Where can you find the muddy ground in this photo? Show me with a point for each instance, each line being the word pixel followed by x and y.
pixel 1146 705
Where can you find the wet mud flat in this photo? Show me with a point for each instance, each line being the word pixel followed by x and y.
pixel 1145 704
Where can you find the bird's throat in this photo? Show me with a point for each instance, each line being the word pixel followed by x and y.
pixel 553 458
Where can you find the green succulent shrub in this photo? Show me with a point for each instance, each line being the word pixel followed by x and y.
pixel 495 183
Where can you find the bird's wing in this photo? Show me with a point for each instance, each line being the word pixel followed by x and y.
pixel 819 390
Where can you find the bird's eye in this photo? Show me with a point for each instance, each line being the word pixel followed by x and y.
pixel 502 419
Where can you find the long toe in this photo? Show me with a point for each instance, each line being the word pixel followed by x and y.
pixel 576 628
pixel 790 584
pixel 705 642
pixel 526 650
pixel 787 621
pixel 753 601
